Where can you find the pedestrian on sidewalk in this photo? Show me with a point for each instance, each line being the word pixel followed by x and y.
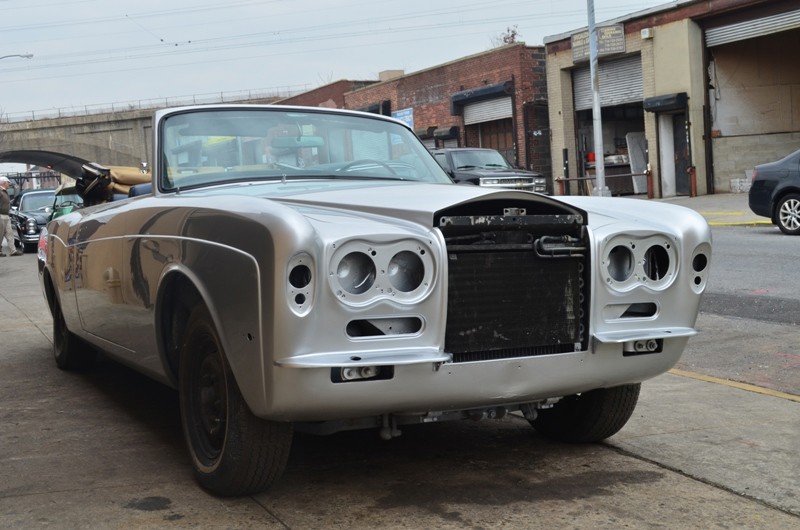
pixel 5 220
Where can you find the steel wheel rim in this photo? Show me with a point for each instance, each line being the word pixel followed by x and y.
pixel 209 405
pixel 790 214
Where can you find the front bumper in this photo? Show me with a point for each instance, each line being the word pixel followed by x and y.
pixel 514 183
pixel 29 239
pixel 309 393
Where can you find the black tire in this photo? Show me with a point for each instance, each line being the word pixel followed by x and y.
pixel 232 451
pixel 70 352
pixel 787 214
pixel 588 417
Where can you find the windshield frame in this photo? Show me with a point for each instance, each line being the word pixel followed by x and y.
pixel 214 145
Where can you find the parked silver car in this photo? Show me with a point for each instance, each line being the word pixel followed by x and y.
pixel 313 269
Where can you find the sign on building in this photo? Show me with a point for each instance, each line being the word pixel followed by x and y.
pixel 610 41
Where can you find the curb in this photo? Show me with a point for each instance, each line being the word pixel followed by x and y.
pixel 739 223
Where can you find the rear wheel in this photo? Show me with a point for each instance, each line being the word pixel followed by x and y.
pixel 232 451
pixel 588 417
pixel 69 351
pixel 788 214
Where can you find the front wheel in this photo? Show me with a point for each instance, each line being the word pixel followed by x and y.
pixel 788 214
pixel 232 451
pixel 588 417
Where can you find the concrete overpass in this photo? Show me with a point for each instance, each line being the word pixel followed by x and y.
pixel 118 138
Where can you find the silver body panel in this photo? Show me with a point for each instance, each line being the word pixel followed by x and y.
pixel 237 243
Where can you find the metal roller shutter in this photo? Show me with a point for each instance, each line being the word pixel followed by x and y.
pixel 620 82
pixel 752 28
pixel 489 110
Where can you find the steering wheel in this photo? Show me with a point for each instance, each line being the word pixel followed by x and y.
pixel 366 161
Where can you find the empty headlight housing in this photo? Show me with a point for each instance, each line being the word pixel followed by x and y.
pixel 361 272
pixel 631 261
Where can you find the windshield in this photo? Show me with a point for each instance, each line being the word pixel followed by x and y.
pixel 203 147
pixel 68 199
pixel 35 201
pixel 479 159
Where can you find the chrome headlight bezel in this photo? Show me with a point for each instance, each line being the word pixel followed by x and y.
pixel 362 272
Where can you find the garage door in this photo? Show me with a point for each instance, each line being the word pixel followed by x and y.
pixel 489 110
pixel 753 28
pixel 620 82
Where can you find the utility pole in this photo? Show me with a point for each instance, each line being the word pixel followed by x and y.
pixel 600 188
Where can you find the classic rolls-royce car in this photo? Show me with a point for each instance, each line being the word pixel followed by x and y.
pixel 315 270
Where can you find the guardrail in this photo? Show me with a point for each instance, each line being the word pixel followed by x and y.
pixel 586 184
pixel 154 103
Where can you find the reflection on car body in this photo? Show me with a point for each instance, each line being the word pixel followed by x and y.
pixel 316 270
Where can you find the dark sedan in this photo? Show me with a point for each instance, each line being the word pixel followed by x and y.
pixel 31 213
pixel 775 192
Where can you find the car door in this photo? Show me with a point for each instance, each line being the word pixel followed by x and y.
pixel 97 254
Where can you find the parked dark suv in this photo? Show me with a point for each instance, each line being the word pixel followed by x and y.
pixel 486 167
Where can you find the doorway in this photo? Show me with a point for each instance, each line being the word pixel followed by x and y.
pixel 674 157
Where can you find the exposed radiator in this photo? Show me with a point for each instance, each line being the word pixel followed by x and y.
pixel 517 286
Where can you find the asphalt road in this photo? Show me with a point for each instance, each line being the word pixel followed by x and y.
pixel 103 449
pixel 752 298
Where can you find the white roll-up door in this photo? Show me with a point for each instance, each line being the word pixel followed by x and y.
pixel 620 82
pixel 489 110
pixel 753 28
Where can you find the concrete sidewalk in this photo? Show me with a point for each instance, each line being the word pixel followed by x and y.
pixel 722 209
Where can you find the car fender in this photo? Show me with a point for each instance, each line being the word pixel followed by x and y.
pixel 234 303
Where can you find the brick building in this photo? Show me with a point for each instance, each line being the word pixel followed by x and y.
pixel 495 99
pixel 330 95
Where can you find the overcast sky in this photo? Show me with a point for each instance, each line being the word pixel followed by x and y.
pixel 90 52
pixel 98 52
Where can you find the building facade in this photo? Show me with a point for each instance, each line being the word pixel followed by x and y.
pixel 495 99
pixel 692 96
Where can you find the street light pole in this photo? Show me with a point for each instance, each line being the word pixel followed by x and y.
pixel 23 55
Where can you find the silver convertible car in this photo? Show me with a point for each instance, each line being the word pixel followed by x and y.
pixel 316 270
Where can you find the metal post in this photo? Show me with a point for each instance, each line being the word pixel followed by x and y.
pixel 600 188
